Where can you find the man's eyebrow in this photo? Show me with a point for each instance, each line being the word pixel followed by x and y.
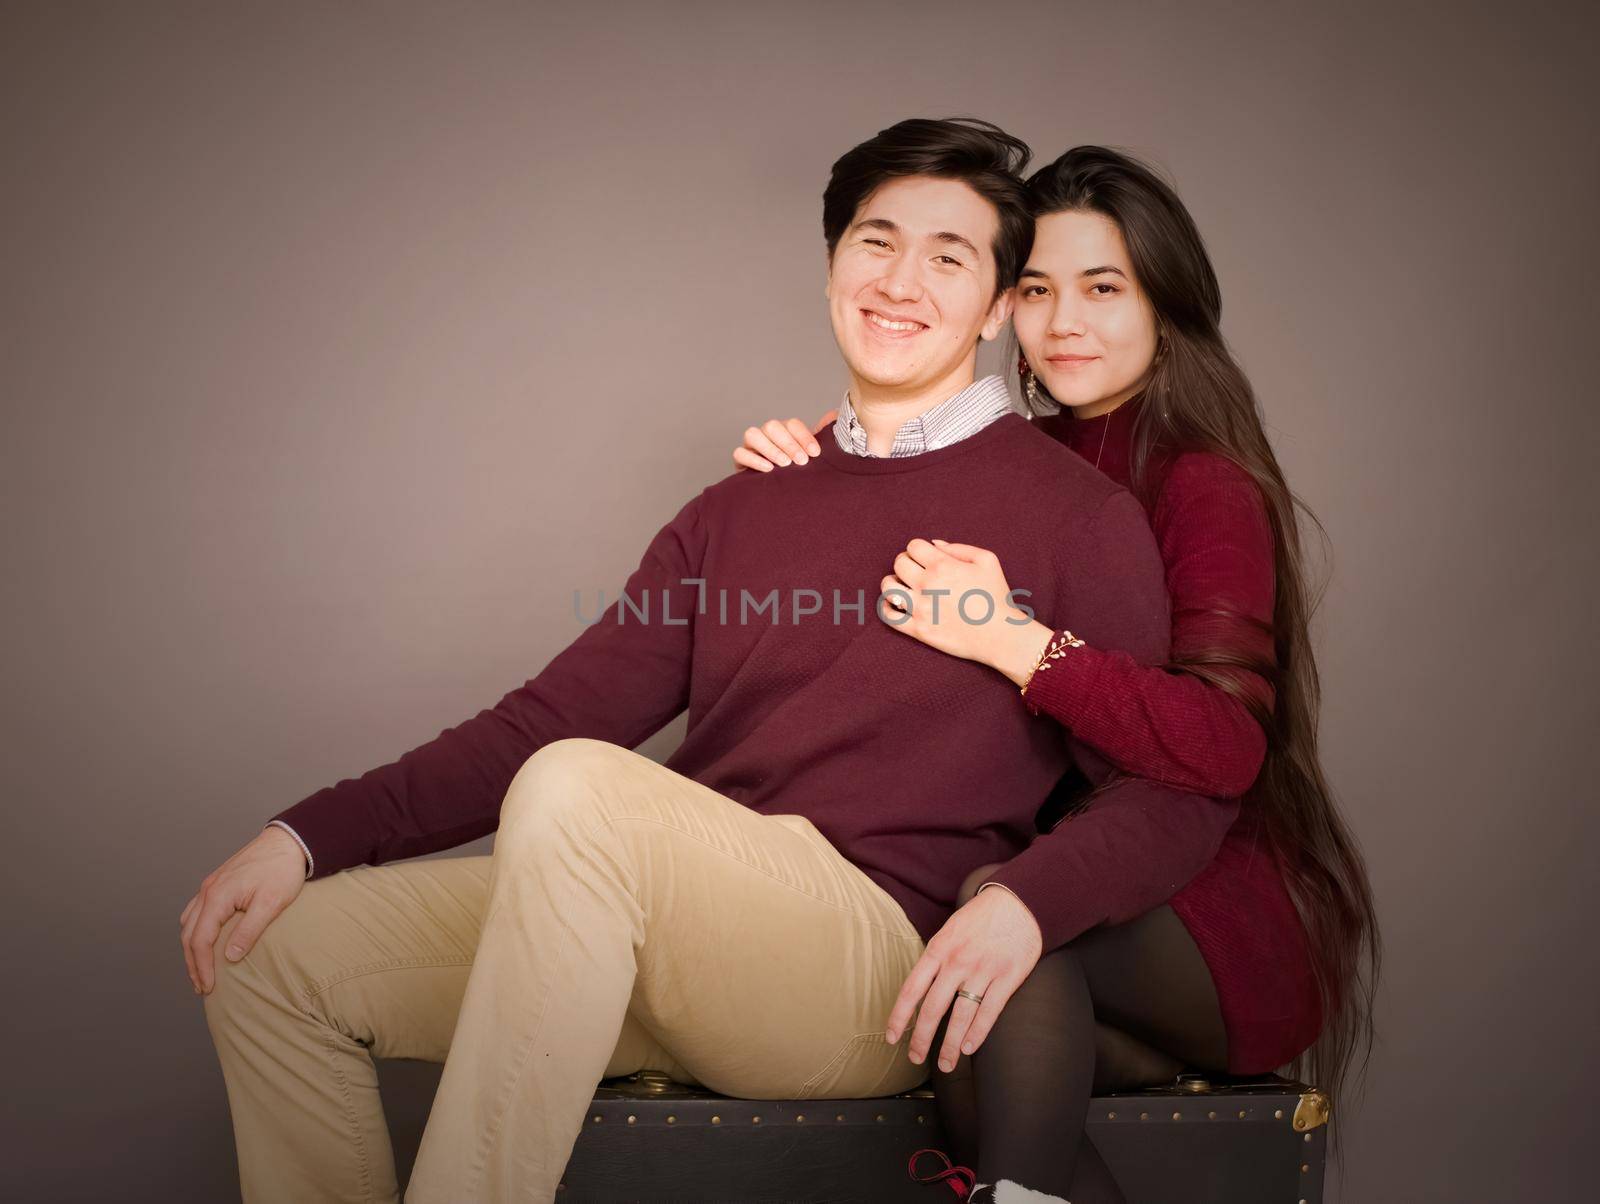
pixel 946 236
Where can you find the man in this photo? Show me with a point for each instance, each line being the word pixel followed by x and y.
pixel 743 916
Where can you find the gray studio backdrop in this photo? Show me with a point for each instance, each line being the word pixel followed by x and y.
pixel 340 343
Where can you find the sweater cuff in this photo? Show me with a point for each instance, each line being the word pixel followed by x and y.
pixel 325 830
pixel 1063 688
pixel 1060 905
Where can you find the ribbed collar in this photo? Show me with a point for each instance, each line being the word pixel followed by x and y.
pixel 1105 441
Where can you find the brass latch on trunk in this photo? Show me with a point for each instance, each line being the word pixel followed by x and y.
pixel 1311 1111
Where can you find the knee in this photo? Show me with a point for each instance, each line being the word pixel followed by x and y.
pixel 229 993
pixel 557 783
pixel 221 967
pixel 282 958
pixel 973 881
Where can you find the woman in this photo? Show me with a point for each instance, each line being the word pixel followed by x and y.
pixel 1271 954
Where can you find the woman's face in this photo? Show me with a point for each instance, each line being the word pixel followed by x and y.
pixel 1085 324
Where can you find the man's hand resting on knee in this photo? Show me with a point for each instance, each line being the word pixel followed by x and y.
pixel 988 947
pixel 260 880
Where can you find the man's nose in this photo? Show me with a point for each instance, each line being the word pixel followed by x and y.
pixel 902 282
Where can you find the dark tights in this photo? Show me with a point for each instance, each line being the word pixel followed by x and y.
pixel 1120 1007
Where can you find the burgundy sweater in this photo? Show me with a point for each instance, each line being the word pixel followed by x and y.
pixel 916 765
pixel 1217 544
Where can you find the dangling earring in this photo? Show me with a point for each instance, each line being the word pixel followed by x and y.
pixel 1030 383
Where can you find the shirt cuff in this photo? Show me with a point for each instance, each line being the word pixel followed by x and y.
pixel 311 864
pixel 1013 894
pixel 1002 886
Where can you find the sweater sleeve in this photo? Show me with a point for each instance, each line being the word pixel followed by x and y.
pixel 621 680
pixel 1133 846
pixel 1217 545
pixel 1137 841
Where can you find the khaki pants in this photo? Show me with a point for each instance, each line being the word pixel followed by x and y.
pixel 629 919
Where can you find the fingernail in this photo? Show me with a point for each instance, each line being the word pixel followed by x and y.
pixel 967 1048
pixel 234 953
pixel 944 1064
pixel 800 458
pixel 889 1036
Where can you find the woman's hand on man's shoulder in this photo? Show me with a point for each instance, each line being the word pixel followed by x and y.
pixel 780 442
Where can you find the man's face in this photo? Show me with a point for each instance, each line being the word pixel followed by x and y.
pixel 911 285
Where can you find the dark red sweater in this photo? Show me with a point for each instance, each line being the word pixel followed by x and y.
pixel 1217 544
pixel 916 765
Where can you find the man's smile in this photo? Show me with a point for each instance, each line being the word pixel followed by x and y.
pixel 892 327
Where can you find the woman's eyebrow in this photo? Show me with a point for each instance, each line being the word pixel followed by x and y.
pixel 1041 274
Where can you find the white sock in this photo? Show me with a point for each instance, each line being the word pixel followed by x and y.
pixel 1009 1191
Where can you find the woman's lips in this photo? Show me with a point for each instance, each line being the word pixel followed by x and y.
pixel 1070 361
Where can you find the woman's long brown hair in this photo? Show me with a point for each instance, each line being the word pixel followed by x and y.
pixel 1198 399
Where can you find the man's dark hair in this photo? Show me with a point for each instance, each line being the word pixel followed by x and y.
pixel 978 153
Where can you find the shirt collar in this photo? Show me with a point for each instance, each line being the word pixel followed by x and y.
pixel 951 421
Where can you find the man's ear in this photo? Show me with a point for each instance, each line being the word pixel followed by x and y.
pixel 999 312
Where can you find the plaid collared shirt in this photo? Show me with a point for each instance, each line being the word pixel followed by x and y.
pixel 951 421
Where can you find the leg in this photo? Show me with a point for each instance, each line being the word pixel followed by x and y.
pixel 1053 1046
pixel 1149 981
pixel 618 885
pixel 955 1090
pixel 367 963
pixel 1121 1062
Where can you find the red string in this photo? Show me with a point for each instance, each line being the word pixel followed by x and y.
pixel 960 1179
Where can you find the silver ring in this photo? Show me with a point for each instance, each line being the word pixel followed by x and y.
pixel 966 994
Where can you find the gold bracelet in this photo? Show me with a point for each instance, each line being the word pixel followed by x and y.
pixel 1054 650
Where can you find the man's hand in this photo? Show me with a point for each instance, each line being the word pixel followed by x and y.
pixel 260 880
pixel 989 947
